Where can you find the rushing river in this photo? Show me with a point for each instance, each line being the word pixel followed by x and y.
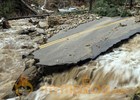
pixel 112 76
pixel 12 47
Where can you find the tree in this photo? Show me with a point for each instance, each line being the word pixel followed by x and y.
pixel 131 4
pixel 90 5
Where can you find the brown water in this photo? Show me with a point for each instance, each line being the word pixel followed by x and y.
pixel 12 47
pixel 113 76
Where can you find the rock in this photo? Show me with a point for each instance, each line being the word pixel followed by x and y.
pixel 52 29
pixel 45 38
pixel 53 21
pixel 40 39
pixel 122 25
pixel 34 22
pixel 48 35
pixel 43 25
pixel 31 29
pixel 26 31
pixel 98 18
pixel 4 23
pixel 27 47
pixel 137 18
pixel 29 63
pixel 40 31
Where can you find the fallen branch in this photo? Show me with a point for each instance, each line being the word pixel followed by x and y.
pixel 21 17
pixel 22 1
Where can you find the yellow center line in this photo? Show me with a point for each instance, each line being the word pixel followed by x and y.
pixel 81 33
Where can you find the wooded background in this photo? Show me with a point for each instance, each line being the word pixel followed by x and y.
pixel 10 8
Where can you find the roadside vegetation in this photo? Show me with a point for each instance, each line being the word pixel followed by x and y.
pixel 109 8
pixel 7 7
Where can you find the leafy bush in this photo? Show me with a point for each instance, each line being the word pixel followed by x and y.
pixel 6 7
pixel 110 8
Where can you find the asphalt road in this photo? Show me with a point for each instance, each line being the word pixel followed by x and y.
pixel 86 41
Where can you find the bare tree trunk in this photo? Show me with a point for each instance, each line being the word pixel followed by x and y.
pixel 21 17
pixel 131 4
pixel 91 5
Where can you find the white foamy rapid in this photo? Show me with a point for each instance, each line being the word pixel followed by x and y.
pixel 113 76
pixel 118 70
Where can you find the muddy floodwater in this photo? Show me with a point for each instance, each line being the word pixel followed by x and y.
pixel 12 47
pixel 112 76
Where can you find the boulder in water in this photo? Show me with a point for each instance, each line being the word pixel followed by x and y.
pixel 4 23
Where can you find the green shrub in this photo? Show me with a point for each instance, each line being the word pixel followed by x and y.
pixel 110 8
pixel 6 8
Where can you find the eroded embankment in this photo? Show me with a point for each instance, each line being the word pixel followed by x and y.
pixel 114 75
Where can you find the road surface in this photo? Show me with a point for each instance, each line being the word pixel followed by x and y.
pixel 86 41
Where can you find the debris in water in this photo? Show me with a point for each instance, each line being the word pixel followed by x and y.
pixel 4 23
pixel 23 86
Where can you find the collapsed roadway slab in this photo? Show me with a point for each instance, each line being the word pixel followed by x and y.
pixel 86 41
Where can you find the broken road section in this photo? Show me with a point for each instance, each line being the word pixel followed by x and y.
pixel 86 44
